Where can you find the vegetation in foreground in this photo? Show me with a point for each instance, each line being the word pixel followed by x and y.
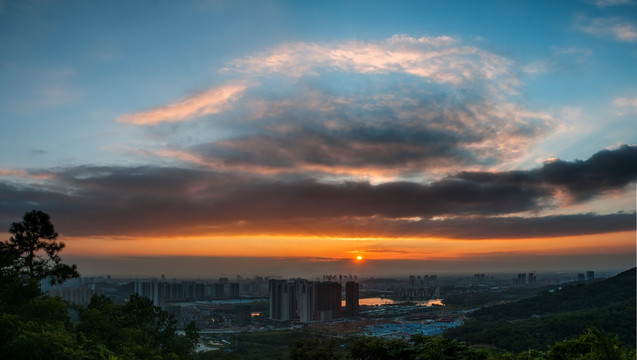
pixel 36 326
pixel 591 345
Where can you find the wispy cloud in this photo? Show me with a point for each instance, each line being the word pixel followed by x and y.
pixel 616 28
pixel 439 59
pixel 43 89
pixel 209 102
pixel 626 105
pixel 25 174
pixel 625 102
pixel 561 60
pixel 37 152
pixel 606 3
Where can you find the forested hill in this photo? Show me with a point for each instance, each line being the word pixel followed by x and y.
pixel 553 316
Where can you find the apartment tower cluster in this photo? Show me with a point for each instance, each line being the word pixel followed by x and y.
pixel 161 292
pixel 308 301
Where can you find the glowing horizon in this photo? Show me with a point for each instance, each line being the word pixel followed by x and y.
pixel 343 248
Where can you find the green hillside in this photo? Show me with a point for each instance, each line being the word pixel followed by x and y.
pixel 539 321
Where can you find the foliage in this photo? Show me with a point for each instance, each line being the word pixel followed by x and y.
pixel 416 348
pixel 192 335
pixel 571 298
pixel 592 345
pixel 257 345
pixel 539 332
pixel 312 349
pixel 40 329
pixel 36 326
pixel 469 301
pixel 137 330
pixel 542 320
pixel 33 251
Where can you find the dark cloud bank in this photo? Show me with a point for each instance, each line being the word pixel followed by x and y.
pixel 154 201
pixel 605 170
pixel 394 128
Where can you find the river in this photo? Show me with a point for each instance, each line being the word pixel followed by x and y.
pixel 383 301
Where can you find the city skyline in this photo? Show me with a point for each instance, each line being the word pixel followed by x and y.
pixel 284 137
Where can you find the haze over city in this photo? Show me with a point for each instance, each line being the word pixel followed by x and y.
pixel 215 138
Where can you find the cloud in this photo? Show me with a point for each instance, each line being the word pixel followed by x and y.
pixel 605 3
pixel 465 228
pixel 625 102
pixel 211 101
pixel 561 60
pixel 617 28
pixel 39 89
pixel 22 174
pixel 604 171
pixel 334 112
pixel 439 59
pixel 396 132
pixel 625 105
pixel 125 202
pixel 166 201
pixel 37 152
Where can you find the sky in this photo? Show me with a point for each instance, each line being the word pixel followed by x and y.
pixel 290 137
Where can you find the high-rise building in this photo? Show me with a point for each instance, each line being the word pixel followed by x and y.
pixel 351 299
pixel 581 277
pixel 153 290
pixel 522 279
pixel 193 290
pixel 174 291
pixel 328 302
pixel 532 279
pixel 77 295
pixel 590 275
pixel 275 289
pixel 234 290
pixel 218 290
pixel 282 300
pixel 304 301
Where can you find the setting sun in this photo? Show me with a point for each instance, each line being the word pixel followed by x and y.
pixel 359 258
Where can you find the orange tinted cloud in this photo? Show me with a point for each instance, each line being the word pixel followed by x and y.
pixel 371 173
pixel 24 174
pixel 437 58
pixel 212 101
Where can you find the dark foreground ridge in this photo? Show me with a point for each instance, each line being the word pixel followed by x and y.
pixel 555 315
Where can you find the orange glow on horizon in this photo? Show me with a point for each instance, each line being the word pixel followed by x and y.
pixel 343 248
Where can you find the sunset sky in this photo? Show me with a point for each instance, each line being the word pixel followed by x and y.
pixel 244 137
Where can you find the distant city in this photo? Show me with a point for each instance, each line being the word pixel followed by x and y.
pixel 267 302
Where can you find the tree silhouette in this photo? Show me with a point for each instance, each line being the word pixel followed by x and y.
pixel 33 250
